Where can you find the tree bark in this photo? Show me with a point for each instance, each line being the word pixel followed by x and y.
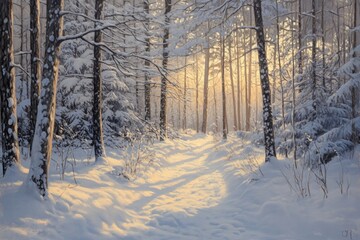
pixel 265 86
pixel 238 75
pixel 98 137
pixel 300 38
pixel 163 94
pixel 232 86
pixel 248 100
pixel 34 63
pixel 355 90
pixel 224 117
pixel 43 136
pixel 313 54
pixel 197 92
pixel 147 65
pixel 206 83
pixel 280 66
pixel 9 126
pixel 185 96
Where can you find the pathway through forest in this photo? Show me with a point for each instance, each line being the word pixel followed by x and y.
pixel 205 188
pixel 188 199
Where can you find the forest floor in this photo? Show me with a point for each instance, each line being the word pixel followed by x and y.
pixel 200 187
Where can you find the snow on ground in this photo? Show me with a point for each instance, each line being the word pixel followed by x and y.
pixel 206 188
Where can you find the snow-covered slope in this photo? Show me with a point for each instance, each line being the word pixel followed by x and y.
pixel 206 188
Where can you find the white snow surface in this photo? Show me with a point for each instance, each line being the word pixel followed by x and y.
pixel 206 188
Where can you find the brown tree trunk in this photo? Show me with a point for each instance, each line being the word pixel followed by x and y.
pixel 197 92
pixel 232 86
pixel 206 83
pixel 238 75
pixel 185 96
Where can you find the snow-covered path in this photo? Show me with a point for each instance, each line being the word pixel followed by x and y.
pixel 180 200
pixel 204 189
pixel 189 194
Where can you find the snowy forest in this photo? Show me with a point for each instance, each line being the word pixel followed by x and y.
pixel 174 119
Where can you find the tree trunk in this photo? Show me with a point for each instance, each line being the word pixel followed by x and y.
pixel 9 126
pixel 164 77
pixel 300 38
pixel 232 87
pixel 34 63
pixel 98 138
pixel 313 54
pixel 280 67
pixel 215 110
pixel 185 96
pixel 206 83
pixel 355 90
pixel 238 75
pixel 147 65
pixel 248 100
pixel 323 32
pixel 224 118
pixel 43 136
pixel 265 86
pixel 197 92
pixel 293 110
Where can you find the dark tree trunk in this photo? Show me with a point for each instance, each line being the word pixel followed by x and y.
pixel 9 127
pixel 313 53
pixel 355 90
pixel 224 117
pixel 98 138
pixel 265 86
pixel 248 90
pixel 34 63
pixel 163 97
pixel 43 136
pixel 300 70
pixel 147 65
